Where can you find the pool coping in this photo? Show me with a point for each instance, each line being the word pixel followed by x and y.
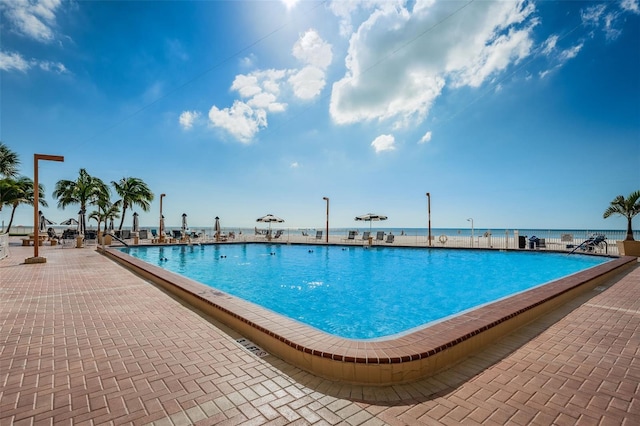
pixel 409 357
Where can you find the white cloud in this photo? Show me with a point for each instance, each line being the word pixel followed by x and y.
pixel 294 165
pixel 384 143
pixel 632 6
pixel 311 49
pixel 426 138
pixel 188 118
pixel 262 91
pixel 241 121
pixel 13 61
pixel 35 19
pixel 308 82
pixel 399 60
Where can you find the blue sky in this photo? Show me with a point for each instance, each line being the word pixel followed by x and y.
pixel 518 114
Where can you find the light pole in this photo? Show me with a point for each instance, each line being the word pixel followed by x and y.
pixel 36 216
pixel 429 215
pixel 161 235
pixel 327 236
pixel 471 220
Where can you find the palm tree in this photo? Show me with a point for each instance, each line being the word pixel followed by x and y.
pixel 19 191
pixel 9 161
pixel 104 204
pixel 132 192
pixel 84 190
pixel 628 208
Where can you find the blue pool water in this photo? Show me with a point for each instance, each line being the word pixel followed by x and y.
pixel 363 293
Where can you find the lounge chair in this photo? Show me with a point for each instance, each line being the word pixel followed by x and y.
pixel 91 238
pixel 143 234
pixel 366 235
pixel 278 234
pixel 318 236
pixel 380 236
pixel 390 238
pixel 125 234
pixel 68 238
pixel 351 236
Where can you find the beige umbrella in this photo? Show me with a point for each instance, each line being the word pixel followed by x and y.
pixel 269 219
pixel 370 217
pixel 217 228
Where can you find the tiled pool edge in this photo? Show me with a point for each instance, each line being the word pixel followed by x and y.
pixel 407 358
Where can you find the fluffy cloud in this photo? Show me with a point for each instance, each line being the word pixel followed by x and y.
pixel 400 59
pixel 384 143
pixel 426 138
pixel 241 121
pixel 15 61
pixel 187 118
pixel 262 91
pixel 32 18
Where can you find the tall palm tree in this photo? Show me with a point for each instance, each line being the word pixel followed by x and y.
pixel 132 192
pixel 19 191
pixel 627 207
pixel 83 191
pixel 104 204
pixel 9 161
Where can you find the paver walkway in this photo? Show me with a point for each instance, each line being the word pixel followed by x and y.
pixel 84 341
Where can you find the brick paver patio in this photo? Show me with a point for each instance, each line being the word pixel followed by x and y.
pixel 84 341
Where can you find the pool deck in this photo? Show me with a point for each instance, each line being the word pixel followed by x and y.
pixel 85 341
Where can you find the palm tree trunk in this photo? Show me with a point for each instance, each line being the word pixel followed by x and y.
pixel 13 211
pixel 124 209
pixel 629 230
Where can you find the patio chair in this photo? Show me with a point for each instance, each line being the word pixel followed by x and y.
pixel 91 238
pixel 278 234
pixel 68 238
pixel 366 235
pixel 390 238
pixel 351 236
pixel 380 236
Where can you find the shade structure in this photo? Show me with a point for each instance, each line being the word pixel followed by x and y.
pixel 269 219
pixel 70 221
pixel 216 228
pixel 43 222
pixel 136 225
pixel 371 217
pixel 111 224
pixel 82 224
pixel 184 224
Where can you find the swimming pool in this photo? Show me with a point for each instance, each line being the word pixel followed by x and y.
pixel 392 360
pixel 360 292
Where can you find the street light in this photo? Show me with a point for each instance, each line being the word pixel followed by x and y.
pixel 36 216
pixel 327 200
pixel 471 220
pixel 429 215
pixel 161 235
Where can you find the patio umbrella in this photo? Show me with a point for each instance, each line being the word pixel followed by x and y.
pixel 269 219
pixel 70 221
pixel 111 224
pixel 44 222
pixel 82 224
pixel 184 224
pixel 136 225
pixel 370 217
pixel 216 228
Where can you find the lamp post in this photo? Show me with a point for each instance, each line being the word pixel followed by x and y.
pixel 161 235
pixel 327 236
pixel 429 215
pixel 36 196
pixel 471 220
